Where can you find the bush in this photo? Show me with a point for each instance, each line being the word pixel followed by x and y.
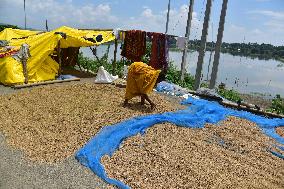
pixel 277 105
pixel 93 64
pixel 2 27
pixel 231 94
pixel 173 76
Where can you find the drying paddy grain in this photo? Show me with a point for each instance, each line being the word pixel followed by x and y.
pixel 51 123
pixel 230 155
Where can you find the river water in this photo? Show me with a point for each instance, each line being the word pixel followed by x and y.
pixel 246 75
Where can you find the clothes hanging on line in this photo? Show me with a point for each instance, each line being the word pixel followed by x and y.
pixel 181 42
pixel 134 45
pixel 160 51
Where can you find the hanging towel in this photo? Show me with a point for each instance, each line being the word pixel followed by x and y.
pixel 134 45
pixel 159 51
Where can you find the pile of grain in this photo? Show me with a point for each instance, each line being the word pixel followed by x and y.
pixel 52 122
pixel 231 155
pixel 280 131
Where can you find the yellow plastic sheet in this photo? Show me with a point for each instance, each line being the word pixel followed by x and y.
pixel 9 33
pixel 40 65
pixel 141 79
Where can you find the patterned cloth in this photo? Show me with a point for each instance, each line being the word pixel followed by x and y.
pixel 8 52
pixel 141 79
pixel 134 45
pixel 160 51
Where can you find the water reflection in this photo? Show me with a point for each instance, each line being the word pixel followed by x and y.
pixel 244 74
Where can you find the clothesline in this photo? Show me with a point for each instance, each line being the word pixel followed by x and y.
pixel 120 30
pixel 170 35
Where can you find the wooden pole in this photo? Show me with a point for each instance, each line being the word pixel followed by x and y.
pixel 44 83
pixel 218 45
pixel 168 16
pixel 25 70
pixel 25 14
pixel 59 58
pixel 114 58
pixel 202 45
pixel 187 33
pixel 210 58
pixel 46 25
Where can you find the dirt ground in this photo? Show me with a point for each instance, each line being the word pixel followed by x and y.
pixel 16 172
pixel 257 100
pixel 230 155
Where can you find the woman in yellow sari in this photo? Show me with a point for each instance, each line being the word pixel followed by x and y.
pixel 141 80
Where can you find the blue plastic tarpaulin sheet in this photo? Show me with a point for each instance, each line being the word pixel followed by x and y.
pixel 108 140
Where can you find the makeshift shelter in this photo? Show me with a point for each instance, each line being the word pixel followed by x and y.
pixel 43 49
pixel 9 33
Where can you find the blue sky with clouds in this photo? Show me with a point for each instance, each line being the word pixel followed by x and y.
pixel 259 21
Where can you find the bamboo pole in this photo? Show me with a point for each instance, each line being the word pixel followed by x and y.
pixel 218 45
pixel 187 34
pixel 44 83
pixel 202 45
pixel 114 58
pixel 168 16
pixel 25 70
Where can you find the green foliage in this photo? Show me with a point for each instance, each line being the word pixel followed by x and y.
pixel 93 64
pixel 173 76
pixel 277 105
pixel 2 27
pixel 147 56
pixel 231 94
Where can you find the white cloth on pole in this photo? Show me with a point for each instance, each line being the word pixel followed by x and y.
pixel 181 42
pixel 104 77
pixel 24 53
pixel 116 33
pixel 125 71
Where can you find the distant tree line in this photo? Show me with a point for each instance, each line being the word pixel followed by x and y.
pixel 253 50
pixel 3 26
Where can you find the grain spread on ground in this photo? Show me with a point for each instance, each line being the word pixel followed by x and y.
pixel 51 123
pixel 280 131
pixel 230 155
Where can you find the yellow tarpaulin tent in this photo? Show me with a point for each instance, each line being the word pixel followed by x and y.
pixel 9 33
pixel 40 66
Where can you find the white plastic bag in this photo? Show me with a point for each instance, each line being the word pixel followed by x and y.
pixel 104 77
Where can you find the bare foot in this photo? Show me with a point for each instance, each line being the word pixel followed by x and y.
pixel 125 104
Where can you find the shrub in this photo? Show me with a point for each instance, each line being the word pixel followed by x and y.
pixel 277 105
pixel 231 94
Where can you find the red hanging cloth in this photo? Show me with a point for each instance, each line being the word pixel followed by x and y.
pixel 134 45
pixel 159 51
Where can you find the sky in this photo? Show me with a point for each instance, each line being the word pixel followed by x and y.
pixel 260 21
